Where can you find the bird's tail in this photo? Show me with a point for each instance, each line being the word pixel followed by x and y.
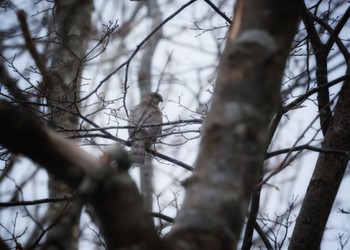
pixel 137 152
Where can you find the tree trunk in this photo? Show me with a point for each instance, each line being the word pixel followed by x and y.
pixel 326 178
pixel 145 85
pixel 235 135
pixel 72 26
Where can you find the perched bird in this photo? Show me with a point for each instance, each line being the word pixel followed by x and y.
pixel 145 126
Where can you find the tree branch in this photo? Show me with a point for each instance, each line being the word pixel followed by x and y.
pixel 34 202
pixel 21 15
pixel 111 191
pixel 217 10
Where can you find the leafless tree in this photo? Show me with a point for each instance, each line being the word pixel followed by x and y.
pixel 235 76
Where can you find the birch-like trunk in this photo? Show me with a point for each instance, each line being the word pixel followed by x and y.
pixel 145 85
pixel 72 26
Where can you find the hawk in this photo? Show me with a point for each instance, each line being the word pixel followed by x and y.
pixel 144 126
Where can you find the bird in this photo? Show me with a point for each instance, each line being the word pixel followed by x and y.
pixel 145 125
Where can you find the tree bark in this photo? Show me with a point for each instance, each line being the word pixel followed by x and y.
pixel 326 178
pixel 72 26
pixel 235 133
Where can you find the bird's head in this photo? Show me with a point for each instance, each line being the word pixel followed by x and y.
pixel 154 98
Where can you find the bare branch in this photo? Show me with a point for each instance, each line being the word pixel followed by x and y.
pixel 34 202
pixel 112 193
pixel 222 14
